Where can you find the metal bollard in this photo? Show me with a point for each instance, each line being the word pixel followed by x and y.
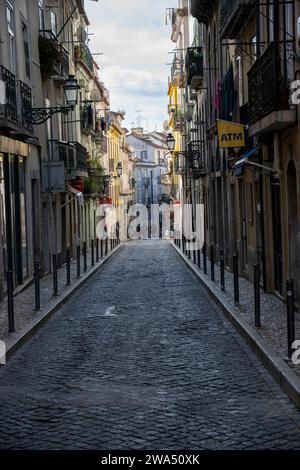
pixel 92 253
pixel 290 315
pixel 78 260
pixel 55 280
pixel 106 246
pixel 179 243
pixel 212 263
pixel 68 266
pixel 101 248
pixel 222 270
pixel 10 301
pixel 84 256
pixel 256 271
pixel 37 289
pixel 199 258
pixel 111 244
pixel 97 250
pixel 194 256
pixel 204 259
pixel 235 260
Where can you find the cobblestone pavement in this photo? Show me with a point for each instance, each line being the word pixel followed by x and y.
pixel 24 300
pixel 140 358
pixel 273 311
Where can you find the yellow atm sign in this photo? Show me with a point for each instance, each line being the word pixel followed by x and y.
pixel 230 134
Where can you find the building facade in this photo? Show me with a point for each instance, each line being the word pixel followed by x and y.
pixel 239 67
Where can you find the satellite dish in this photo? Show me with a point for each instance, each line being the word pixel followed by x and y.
pixel 81 34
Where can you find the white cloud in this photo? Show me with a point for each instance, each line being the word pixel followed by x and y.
pixel 135 42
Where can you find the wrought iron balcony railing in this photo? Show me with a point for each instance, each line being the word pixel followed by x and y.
pixel 194 67
pixel 9 109
pixel 54 57
pixel 177 71
pixel 176 113
pixel 233 15
pixel 26 105
pixel 192 160
pixel 202 10
pixel 73 154
pixel 86 57
pixel 268 90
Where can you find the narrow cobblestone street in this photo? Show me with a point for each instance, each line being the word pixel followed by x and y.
pixel 141 358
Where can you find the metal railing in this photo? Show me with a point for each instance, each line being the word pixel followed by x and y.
pixel 73 154
pixel 25 104
pixel 86 57
pixel 10 108
pixel 194 66
pixel 268 91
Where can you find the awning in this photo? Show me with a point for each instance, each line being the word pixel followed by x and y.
pixel 239 166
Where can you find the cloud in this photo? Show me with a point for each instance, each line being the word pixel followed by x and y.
pixel 135 42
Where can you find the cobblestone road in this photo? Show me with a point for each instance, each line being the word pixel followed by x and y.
pixel 140 358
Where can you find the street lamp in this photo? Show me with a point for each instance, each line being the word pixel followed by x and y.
pixel 119 169
pixel 71 88
pixel 171 142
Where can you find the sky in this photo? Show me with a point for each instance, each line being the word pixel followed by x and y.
pixel 135 42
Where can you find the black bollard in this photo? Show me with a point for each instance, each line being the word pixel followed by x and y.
pixel 37 289
pixel 194 256
pixel 78 260
pixel 212 263
pixel 204 259
pixel 10 301
pixel 199 258
pixel 222 270
pixel 290 316
pixel 235 261
pixel 68 266
pixel 101 248
pixel 55 280
pixel 97 250
pixel 106 246
pixel 84 256
pixel 256 272
pixel 111 242
pixel 92 253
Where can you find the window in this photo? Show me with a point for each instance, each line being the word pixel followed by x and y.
pixel 26 49
pixel 11 35
pixel 53 22
pixel 41 15
pixel 144 155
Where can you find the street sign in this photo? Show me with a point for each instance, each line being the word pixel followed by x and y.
pixel 53 177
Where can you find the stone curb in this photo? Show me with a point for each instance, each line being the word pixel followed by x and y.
pixel 14 343
pixel 280 371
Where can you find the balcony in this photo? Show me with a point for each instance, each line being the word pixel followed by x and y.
pixel 202 10
pixel 196 161
pixel 54 58
pixel 25 105
pixel 176 113
pixel 84 56
pixel 177 15
pixel 233 15
pixel 9 109
pixel 269 108
pixel 74 156
pixel 177 72
pixel 194 67
pixel 16 110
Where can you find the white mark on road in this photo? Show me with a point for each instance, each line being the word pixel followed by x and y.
pixel 110 311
